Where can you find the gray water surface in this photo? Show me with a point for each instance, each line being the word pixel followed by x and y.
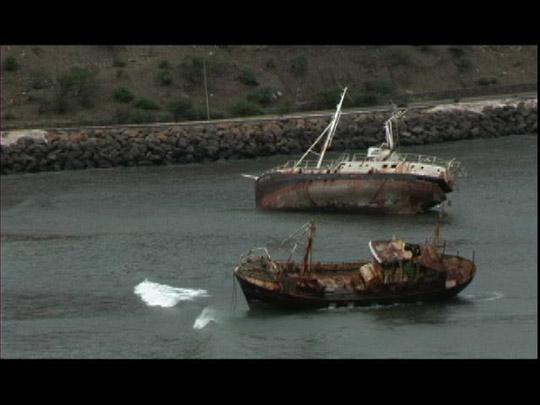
pixel 76 244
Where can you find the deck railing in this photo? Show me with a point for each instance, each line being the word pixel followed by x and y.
pixel 452 165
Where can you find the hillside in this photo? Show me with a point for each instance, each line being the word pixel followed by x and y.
pixel 44 86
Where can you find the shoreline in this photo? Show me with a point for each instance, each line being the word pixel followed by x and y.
pixel 193 142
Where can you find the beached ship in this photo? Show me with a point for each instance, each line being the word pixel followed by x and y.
pixel 381 181
pixel 398 272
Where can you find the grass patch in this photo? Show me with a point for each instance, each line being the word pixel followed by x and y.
pixel 245 108
pixel 9 116
pixel 463 64
pixel 380 87
pixel 192 71
pixel 365 100
pixel 487 81
pixel 119 63
pixel 77 83
pixel 284 108
pixel 247 77
pixel 182 109
pixel 218 115
pixel 425 48
pixel 399 57
pixel 11 64
pixel 128 116
pixel 40 80
pixel 299 65
pixel 165 78
pixel 123 95
pixel 270 64
pixel 457 52
pixel 329 98
pixel 264 96
pixel 146 104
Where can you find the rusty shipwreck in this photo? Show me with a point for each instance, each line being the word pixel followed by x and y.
pixel 398 272
pixel 381 181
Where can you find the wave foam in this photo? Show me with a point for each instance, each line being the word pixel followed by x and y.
pixel 488 296
pixel 154 294
pixel 207 315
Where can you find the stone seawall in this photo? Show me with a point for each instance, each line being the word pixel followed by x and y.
pixel 197 142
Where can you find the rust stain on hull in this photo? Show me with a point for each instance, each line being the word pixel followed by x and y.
pixel 398 194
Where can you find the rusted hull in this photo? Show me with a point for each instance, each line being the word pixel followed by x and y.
pixel 365 193
pixel 259 297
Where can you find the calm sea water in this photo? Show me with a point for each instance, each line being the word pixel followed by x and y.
pixel 137 263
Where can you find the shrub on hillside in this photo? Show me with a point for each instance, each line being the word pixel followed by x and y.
pixel 299 65
pixel 127 115
pixel 247 77
pixel 11 64
pixel 164 64
pixel 270 64
pixel 365 100
pixel 146 104
pixel 193 71
pixel 165 78
pixel 284 108
pixel 425 48
pixel 182 109
pixel 9 116
pixel 329 98
pixel 119 63
pixel 79 82
pixel 45 102
pixel 59 102
pixel 460 58
pixel 245 108
pixel 463 64
pixel 264 96
pixel 379 87
pixel 218 115
pixel 40 80
pixel 123 95
pixel 487 81
pixel 399 57
pixel 457 52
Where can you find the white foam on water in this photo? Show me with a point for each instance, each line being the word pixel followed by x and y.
pixel 207 315
pixel 359 308
pixel 488 296
pixel 162 295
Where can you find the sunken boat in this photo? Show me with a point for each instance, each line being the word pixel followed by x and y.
pixel 398 272
pixel 382 181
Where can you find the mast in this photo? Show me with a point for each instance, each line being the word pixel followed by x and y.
pixel 309 249
pixel 388 128
pixel 332 129
pixel 436 240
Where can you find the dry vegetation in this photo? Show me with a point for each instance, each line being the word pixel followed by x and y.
pixel 78 85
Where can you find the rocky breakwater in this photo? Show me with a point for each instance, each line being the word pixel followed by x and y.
pixel 107 147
